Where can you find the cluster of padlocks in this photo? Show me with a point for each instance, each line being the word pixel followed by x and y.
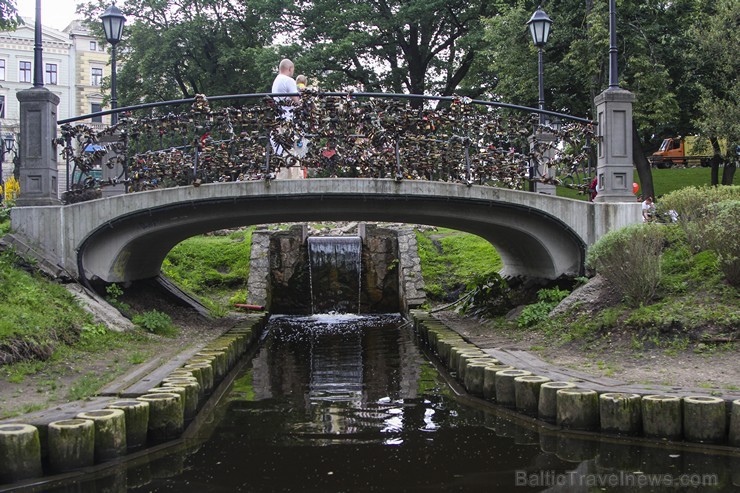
pixel 329 135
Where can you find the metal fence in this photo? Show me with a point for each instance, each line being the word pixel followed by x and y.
pixel 364 135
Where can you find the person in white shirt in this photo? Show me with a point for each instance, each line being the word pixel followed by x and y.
pixel 648 210
pixel 284 84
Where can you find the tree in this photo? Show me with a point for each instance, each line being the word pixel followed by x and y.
pixel 175 49
pixel 715 56
pixel 9 19
pixel 415 46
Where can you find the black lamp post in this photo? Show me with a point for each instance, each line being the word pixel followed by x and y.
pixel 539 27
pixel 113 21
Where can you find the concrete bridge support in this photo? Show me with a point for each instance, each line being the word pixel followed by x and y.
pixel 38 173
pixel 615 160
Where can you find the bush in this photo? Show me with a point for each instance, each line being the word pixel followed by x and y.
pixel 155 322
pixel 720 233
pixel 629 259
pixel 489 295
pixel 692 205
pixel 538 312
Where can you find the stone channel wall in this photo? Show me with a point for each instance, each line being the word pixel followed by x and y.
pixel 154 410
pixel 391 270
pixel 697 418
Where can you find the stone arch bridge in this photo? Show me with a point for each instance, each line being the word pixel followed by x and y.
pixel 126 237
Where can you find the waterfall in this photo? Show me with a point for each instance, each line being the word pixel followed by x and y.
pixel 335 273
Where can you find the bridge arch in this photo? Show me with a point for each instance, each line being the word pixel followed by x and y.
pixel 126 237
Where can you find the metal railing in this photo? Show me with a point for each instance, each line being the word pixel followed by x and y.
pixel 404 136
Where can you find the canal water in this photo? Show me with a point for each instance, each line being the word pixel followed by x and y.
pixel 348 403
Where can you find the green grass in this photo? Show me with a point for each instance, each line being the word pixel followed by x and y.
pixel 664 181
pixel 212 267
pixel 35 314
pixel 462 257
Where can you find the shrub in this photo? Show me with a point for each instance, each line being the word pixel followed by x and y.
pixel 155 322
pixel 629 259
pixel 489 295
pixel 692 205
pixel 720 233
pixel 538 312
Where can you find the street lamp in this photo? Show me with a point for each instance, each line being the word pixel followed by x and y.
pixel 539 27
pixel 113 21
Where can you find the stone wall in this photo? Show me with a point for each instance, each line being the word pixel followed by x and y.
pixel 391 271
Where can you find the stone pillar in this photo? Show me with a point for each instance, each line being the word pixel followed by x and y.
pixel 38 153
pixel 615 164
pixel 544 169
pixel 259 268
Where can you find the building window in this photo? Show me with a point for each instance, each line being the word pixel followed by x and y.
pixel 2 106
pixel 51 73
pixel 97 76
pixel 2 69
pixel 96 108
pixel 93 45
pixel 24 74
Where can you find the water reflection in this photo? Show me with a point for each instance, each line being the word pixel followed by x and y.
pixel 348 403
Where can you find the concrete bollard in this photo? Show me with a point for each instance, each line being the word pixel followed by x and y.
pixel 527 393
pixel 166 415
pixel 620 413
pixel 462 361
pixel 704 419
pixel 734 434
pixel 504 382
pixel 71 444
pixel 465 362
pixel 110 432
pixel 137 421
pixel 220 363
pixel 192 394
pixel 547 407
pixel 20 452
pixel 489 379
pixel 474 374
pixel 203 372
pixel 455 353
pixel 578 409
pixel 662 416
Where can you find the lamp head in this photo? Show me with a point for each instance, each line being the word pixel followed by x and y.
pixel 113 21
pixel 539 27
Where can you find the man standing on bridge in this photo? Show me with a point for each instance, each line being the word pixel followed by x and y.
pixel 284 84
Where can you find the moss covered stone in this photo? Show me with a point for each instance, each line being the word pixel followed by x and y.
pixel 547 406
pixel 578 409
pixel 166 415
pixel 662 416
pixel 504 382
pixel 20 452
pixel 110 432
pixel 620 413
pixel 137 421
pixel 527 393
pixel 71 444
pixel 704 419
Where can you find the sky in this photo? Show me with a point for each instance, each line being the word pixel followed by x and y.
pixel 54 13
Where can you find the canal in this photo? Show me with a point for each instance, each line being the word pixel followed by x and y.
pixel 348 403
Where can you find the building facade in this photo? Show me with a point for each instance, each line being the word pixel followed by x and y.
pixel 75 64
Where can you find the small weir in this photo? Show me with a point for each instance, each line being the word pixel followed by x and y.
pixel 335 273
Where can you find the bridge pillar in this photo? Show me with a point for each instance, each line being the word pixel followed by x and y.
pixel 38 154
pixel 615 163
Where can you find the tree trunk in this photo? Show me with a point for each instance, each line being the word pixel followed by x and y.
pixel 716 160
pixel 728 175
pixel 642 164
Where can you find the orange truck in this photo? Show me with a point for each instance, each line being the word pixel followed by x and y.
pixel 682 151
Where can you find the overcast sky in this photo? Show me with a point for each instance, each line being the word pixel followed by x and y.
pixel 54 13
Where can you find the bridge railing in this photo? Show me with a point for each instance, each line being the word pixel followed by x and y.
pixel 373 135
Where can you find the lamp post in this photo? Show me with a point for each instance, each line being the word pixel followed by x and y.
pixel 539 27
pixel 113 21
